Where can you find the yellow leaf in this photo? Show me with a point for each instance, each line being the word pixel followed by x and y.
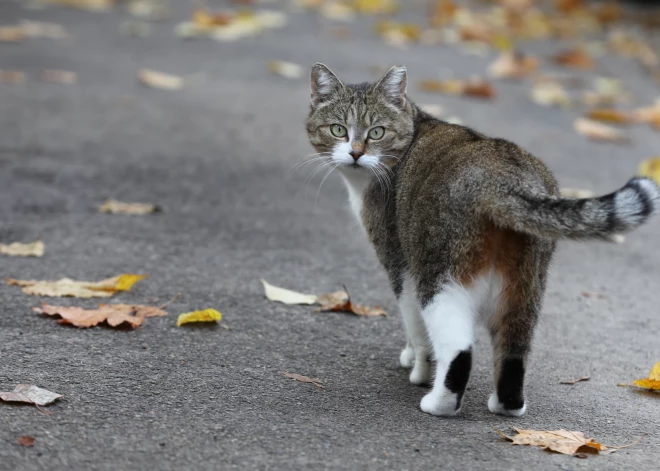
pixel 286 296
pixel 651 168
pixel 16 249
pixel 66 287
pixel 119 207
pixel 11 34
pixel 610 115
pixel 376 7
pixel 653 381
pixel 207 315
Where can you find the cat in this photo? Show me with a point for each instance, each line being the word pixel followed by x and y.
pixel 465 226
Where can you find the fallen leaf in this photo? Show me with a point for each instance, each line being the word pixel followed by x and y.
pixel 610 115
pixel 434 110
pixel 594 295
pixel 65 77
pixel 304 379
pixel 649 114
pixel 559 441
pixel 30 394
pixel 376 7
pixel 78 289
pixel 607 92
pixel 513 65
pixel 17 249
pixel 572 382
pixel 114 314
pixel 337 11
pixel 39 29
pixel 12 76
pixel 598 131
pixel 651 383
pixel 118 207
pixel 651 168
pixel 549 93
pixel 91 5
pixel 154 10
pixel 160 80
pixel 229 26
pixel 398 34
pixel 11 34
pixel 286 69
pixel 576 193
pixel 285 296
pixel 26 440
pixel 207 315
pixel 577 58
pixel 340 301
pixel 475 87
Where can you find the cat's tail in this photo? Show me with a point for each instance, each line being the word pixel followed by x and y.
pixel 602 217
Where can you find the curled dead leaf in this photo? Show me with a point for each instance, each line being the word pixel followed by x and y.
pixel 205 315
pixel 66 287
pixel 30 394
pixel 599 132
pixel 114 314
pixel 26 440
pixel 340 301
pixel 576 58
pixel 17 249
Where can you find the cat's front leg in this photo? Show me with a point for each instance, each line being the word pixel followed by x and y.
pixel 418 350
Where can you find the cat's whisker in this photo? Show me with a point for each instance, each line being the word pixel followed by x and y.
pixel 321 166
pixel 323 180
pixel 309 159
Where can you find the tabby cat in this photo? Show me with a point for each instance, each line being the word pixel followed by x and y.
pixel 464 224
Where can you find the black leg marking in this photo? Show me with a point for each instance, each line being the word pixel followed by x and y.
pixel 458 374
pixel 510 384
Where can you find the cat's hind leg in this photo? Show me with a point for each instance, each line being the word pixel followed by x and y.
pixel 418 350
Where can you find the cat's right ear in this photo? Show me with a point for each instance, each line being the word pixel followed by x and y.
pixel 324 84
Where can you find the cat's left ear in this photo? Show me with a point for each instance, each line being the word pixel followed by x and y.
pixel 393 85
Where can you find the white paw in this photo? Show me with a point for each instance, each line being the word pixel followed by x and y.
pixel 421 372
pixel 496 408
pixel 440 404
pixel 407 357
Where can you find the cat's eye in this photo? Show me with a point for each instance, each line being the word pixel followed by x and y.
pixel 376 133
pixel 338 130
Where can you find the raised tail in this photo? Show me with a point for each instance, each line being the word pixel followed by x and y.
pixel 602 217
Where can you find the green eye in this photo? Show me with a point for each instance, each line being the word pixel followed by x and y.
pixel 338 130
pixel 376 133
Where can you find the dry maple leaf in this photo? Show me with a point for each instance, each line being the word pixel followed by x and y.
pixel 651 168
pixel 30 394
pixel 78 289
pixel 340 301
pixel 610 115
pixel 599 132
pixel 17 249
pixel 285 69
pixel 577 58
pixel 286 296
pixel 12 76
pixel 652 383
pixel 304 379
pixel 513 65
pixel 559 441
pixel 26 440
pixel 136 209
pixel 160 80
pixel 114 314
pixel 475 87
pixel 574 381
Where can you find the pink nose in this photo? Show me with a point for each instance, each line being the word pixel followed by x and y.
pixel 356 154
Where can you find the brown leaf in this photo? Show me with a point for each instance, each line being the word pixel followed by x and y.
pixel 30 394
pixel 11 34
pixel 65 77
pixel 285 69
pixel 584 378
pixel 304 379
pixel 476 87
pixel 513 65
pixel 599 132
pixel 17 249
pixel 12 76
pixel 160 80
pixel 26 440
pixel 114 314
pixel 136 209
pixel 610 115
pixel 593 294
pixel 340 301
pixel 577 58
pixel 559 441
pixel 79 289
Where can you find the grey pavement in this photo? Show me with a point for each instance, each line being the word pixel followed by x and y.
pixel 217 156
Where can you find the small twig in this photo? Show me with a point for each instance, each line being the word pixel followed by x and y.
pixel 176 296
pixel 584 378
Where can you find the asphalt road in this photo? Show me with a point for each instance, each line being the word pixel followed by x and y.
pixel 217 156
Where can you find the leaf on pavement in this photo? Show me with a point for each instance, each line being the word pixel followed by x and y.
pixel 594 295
pixel 610 115
pixel 11 34
pixel 65 77
pixel 559 441
pixel 285 69
pixel 574 381
pixel 549 93
pixel 304 379
pixel 91 5
pixel 652 383
pixel 513 65
pixel 12 76
pixel 229 26
pixel 599 132
pixel 26 440
pixel 119 207
pixel 66 287
pixel 114 314
pixel 576 193
pixel 17 249
pixel 474 87
pixel 340 301
pixel 206 315
pixel 160 80
pixel 577 58
pixel 286 296
pixel 30 394
pixel 651 168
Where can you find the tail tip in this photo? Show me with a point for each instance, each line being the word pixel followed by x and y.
pixel 636 202
pixel 649 193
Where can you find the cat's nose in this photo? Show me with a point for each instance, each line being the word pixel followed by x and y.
pixel 356 154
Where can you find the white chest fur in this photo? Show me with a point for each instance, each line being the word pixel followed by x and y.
pixel 356 181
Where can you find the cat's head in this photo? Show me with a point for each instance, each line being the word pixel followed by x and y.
pixel 360 126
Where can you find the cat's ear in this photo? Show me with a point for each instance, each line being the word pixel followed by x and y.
pixel 324 84
pixel 393 85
